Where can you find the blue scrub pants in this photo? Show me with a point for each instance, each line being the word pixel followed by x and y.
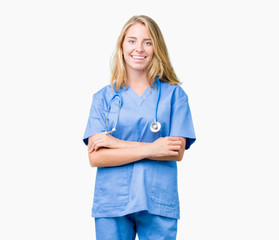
pixel 146 225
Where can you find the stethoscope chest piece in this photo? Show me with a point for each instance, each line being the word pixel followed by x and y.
pixel 155 127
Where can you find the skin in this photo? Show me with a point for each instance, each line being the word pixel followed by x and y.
pixel 138 52
pixel 105 150
pixel 137 49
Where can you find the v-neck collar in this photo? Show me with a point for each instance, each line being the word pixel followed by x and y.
pixel 139 99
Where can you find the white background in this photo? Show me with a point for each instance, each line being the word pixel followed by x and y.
pixel 55 54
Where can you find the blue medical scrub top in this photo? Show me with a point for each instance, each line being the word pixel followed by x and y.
pixel 145 184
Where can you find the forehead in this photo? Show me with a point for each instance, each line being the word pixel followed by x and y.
pixel 137 30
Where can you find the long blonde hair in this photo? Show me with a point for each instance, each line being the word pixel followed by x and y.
pixel 160 65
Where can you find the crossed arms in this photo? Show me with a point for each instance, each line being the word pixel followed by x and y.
pixel 105 150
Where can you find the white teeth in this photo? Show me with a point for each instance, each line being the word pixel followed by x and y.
pixel 138 57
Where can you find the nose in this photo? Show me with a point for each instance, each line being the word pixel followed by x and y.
pixel 139 47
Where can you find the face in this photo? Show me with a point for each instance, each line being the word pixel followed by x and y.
pixel 137 48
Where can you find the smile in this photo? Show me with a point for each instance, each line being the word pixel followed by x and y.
pixel 138 57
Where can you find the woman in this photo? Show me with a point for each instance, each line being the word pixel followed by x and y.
pixel 138 128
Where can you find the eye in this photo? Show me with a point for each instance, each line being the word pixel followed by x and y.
pixel 148 43
pixel 131 41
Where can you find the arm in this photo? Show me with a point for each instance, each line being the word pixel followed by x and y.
pixel 178 157
pixel 118 152
pixel 108 157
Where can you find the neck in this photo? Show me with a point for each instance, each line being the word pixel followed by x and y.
pixel 137 78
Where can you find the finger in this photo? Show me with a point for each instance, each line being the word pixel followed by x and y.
pixel 98 138
pixel 173 153
pixel 173 138
pixel 90 141
pixel 97 145
pixel 176 139
pixel 90 148
pixel 94 138
pixel 178 142
pixel 94 147
pixel 175 147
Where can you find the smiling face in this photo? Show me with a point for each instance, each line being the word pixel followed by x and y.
pixel 137 48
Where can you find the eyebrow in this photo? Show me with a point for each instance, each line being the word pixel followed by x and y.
pixel 145 39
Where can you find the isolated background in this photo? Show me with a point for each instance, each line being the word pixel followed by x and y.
pixel 55 54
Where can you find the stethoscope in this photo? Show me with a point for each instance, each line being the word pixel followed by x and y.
pixel 119 107
pixel 154 127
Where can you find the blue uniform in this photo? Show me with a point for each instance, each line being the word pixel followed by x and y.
pixel 144 185
pixel 147 226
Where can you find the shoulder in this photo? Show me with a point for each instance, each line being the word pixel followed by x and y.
pixel 104 93
pixel 102 96
pixel 174 90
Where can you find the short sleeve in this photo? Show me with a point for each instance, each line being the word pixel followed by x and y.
pixel 181 121
pixel 96 120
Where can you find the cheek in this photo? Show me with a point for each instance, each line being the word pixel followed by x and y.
pixel 126 53
pixel 126 48
pixel 150 52
pixel 126 56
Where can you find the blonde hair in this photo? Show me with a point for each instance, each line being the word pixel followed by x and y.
pixel 160 64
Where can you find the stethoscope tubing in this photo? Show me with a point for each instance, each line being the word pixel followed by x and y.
pixel 119 107
pixel 158 98
pixel 154 127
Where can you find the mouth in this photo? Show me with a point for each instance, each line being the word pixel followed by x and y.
pixel 138 57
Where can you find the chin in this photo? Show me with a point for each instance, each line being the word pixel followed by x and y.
pixel 140 69
pixel 137 68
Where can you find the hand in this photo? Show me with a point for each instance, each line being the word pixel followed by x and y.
pixel 167 146
pixel 102 140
